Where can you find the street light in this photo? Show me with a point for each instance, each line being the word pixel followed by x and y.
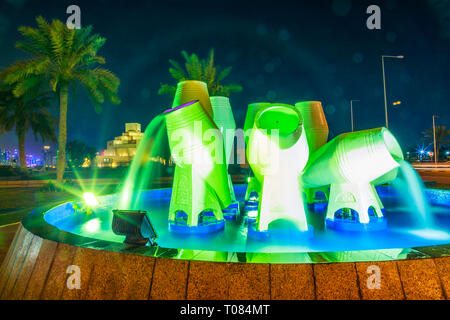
pixel 384 85
pixel 351 111
pixel 434 139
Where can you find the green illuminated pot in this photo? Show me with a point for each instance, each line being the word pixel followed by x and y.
pixel 278 152
pixel 224 120
pixel 314 122
pixel 252 110
pixel 350 163
pixel 200 179
pixel 191 90
pixel 316 127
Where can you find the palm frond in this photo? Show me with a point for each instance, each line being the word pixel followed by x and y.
pixel 167 89
pixel 202 70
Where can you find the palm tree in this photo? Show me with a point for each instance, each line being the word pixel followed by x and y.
pixel 62 58
pixel 442 133
pixel 202 70
pixel 30 111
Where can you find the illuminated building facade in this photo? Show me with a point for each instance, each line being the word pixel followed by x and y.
pixel 121 150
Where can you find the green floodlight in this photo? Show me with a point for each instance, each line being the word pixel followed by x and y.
pixel 200 187
pixel 278 152
pixel 351 163
pixel 224 120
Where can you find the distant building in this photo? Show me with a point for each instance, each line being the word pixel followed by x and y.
pixel 121 150
pixel 48 156
pixel 7 157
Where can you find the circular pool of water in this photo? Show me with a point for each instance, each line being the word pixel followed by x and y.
pixel 396 242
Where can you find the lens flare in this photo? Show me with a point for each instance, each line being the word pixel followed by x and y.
pixel 90 199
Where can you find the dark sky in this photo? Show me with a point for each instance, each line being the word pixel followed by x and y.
pixel 280 51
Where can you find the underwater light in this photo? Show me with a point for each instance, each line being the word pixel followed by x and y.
pixel 252 214
pixel 135 225
pixel 92 225
pixel 90 199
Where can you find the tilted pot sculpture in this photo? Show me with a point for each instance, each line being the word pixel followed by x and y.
pixel 224 120
pixel 191 90
pixel 278 152
pixel 316 127
pixel 350 163
pixel 200 188
pixel 315 124
pixel 253 185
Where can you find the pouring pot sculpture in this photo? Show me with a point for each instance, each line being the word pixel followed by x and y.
pixel 191 90
pixel 200 188
pixel 316 127
pixel 278 152
pixel 224 120
pixel 350 163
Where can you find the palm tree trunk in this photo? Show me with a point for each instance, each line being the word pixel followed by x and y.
pixel 438 145
pixel 62 134
pixel 22 158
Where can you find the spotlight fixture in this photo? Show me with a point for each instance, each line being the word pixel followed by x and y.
pixel 135 225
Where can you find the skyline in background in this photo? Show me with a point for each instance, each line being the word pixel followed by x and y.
pixel 309 50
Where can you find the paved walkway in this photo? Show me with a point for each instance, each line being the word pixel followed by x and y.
pixel 15 203
pixel 7 233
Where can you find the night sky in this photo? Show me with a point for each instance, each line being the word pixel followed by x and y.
pixel 280 51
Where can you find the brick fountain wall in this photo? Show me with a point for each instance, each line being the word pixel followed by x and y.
pixel 35 268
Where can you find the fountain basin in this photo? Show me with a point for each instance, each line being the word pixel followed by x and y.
pixel 36 266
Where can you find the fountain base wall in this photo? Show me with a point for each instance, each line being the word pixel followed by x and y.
pixel 35 268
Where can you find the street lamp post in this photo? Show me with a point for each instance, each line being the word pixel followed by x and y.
pixel 384 85
pixel 434 139
pixel 351 111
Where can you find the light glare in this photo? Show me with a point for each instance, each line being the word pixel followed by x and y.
pixel 93 225
pixel 90 199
